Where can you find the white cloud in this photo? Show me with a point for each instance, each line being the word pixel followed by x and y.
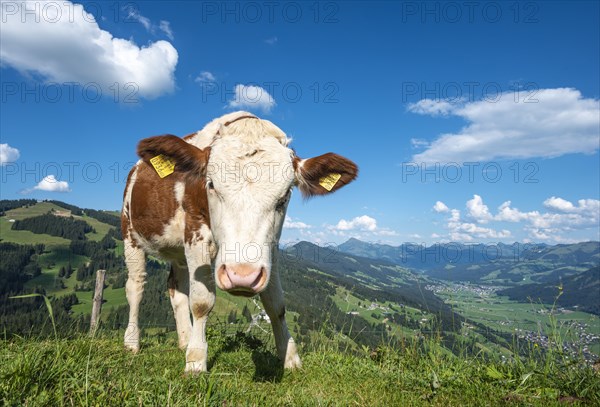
pixel 71 47
pixel 440 207
pixel 418 143
pixel 51 184
pixel 562 205
pixel 364 223
pixel 508 214
pixel 462 231
pixel 477 210
pixel 289 223
pixel 559 204
pixel 271 41
pixel 548 123
pixel 205 77
pixel 8 154
pixel 165 27
pixel 432 107
pixel 564 219
pixel 360 227
pixel 134 14
pixel 251 97
pixel 564 214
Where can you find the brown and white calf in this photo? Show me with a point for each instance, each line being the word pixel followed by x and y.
pixel 220 208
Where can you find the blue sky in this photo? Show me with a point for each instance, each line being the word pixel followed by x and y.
pixel 471 122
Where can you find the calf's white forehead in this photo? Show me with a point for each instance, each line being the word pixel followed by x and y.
pixel 236 163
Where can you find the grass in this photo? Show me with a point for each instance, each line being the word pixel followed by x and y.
pixel 101 229
pixel 41 208
pixel 27 237
pixel 243 370
pixel 51 262
pixel 112 298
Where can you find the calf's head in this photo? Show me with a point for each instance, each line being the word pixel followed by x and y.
pixel 249 174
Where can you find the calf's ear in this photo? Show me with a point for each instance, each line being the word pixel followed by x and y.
pixel 186 157
pixel 324 174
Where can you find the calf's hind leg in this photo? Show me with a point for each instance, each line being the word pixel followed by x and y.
pixel 135 259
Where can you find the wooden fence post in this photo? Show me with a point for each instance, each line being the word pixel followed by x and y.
pixel 97 303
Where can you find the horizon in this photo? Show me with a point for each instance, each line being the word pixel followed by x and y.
pixel 291 243
pixel 471 123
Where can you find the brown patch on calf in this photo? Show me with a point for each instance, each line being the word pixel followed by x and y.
pixel 311 170
pixel 172 283
pixel 153 202
pixel 200 309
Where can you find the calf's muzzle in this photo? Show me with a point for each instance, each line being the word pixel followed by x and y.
pixel 242 278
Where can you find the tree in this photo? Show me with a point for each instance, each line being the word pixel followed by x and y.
pixel 246 313
pixel 232 317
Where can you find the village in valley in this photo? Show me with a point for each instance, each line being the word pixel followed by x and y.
pixel 545 327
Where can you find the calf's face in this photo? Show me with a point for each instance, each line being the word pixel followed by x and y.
pixel 249 185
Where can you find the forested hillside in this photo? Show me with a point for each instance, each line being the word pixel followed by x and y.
pixel 578 290
pixel 367 301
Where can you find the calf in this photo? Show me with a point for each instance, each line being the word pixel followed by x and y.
pixel 218 198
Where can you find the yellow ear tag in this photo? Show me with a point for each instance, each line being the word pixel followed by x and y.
pixel 329 181
pixel 162 165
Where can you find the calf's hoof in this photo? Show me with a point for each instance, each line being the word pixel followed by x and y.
pixel 133 348
pixel 194 368
pixel 132 339
pixel 292 362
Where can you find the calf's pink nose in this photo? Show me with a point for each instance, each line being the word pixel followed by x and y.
pixel 243 275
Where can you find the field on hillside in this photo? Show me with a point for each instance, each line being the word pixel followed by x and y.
pixel 25 236
pixel 243 370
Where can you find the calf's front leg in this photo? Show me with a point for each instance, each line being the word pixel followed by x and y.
pixel 201 302
pixel 179 295
pixel 272 299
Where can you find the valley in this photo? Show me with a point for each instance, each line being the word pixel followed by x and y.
pixel 363 292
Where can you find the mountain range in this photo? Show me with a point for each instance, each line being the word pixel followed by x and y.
pixel 526 271
pixel 366 291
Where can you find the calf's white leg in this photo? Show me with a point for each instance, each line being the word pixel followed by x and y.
pixel 179 296
pixel 272 299
pixel 201 302
pixel 135 260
